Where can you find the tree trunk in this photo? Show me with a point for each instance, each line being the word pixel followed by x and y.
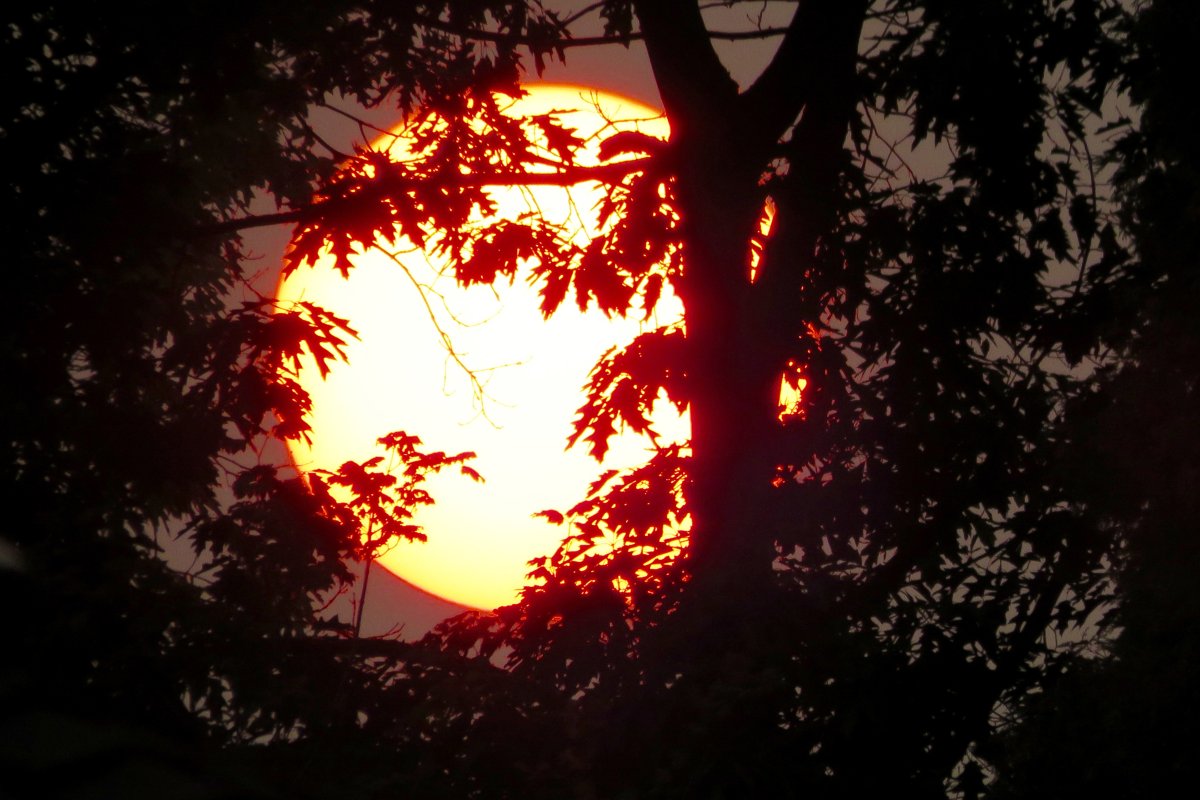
pixel 739 333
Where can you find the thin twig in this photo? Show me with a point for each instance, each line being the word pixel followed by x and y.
pixel 584 41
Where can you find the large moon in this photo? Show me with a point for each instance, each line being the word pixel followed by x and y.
pixel 400 376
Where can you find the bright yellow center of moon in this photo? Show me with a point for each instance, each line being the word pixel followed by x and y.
pixel 400 376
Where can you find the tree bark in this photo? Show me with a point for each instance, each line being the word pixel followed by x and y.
pixel 739 333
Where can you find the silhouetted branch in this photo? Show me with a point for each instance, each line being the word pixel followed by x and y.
pixel 819 40
pixel 583 41
pixel 567 176
pixel 693 83
pixel 393 649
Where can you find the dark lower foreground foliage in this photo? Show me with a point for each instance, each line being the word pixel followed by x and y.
pixel 891 589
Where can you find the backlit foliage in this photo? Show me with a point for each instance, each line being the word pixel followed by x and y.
pixel 853 596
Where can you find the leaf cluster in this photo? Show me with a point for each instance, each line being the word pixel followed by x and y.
pixel 899 569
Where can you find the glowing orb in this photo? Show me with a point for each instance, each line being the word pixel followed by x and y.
pixel 400 376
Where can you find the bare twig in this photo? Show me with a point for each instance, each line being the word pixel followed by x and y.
pixel 583 41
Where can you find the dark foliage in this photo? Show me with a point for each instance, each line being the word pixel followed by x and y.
pixel 866 594
pixel 1125 726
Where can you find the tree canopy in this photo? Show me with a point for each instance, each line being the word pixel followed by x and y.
pixel 979 259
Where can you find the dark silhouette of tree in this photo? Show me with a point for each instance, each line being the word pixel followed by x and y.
pixel 860 595
pixel 1124 726
pixel 134 387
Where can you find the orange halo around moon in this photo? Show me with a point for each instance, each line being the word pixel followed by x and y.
pixel 400 376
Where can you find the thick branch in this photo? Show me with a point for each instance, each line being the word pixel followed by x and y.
pixel 823 54
pixel 821 42
pixel 694 85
